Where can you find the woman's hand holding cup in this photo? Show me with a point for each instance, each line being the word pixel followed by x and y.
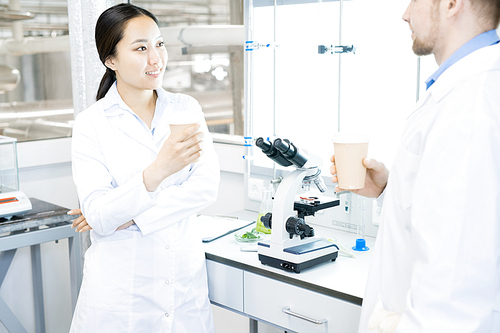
pixel 183 147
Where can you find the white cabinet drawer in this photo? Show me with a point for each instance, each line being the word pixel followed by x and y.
pixel 225 285
pixel 266 298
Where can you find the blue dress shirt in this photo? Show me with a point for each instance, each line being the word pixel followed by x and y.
pixel 485 39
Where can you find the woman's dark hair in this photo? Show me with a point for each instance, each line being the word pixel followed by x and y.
pixel 108 32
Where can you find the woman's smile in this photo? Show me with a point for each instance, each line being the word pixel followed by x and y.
pixel 154 74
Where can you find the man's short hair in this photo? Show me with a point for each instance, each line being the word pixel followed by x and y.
pixel 487 9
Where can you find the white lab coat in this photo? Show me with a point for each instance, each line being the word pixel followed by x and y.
pixel 150 277
pixel 436 263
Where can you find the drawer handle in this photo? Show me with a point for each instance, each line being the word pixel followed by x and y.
pixel 286 310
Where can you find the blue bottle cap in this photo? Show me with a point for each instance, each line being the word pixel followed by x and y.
pixel 360 245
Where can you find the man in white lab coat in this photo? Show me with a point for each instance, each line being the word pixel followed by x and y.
pixel 436 262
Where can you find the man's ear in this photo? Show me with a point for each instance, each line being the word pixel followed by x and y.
pixel 453 7
pixel 110 63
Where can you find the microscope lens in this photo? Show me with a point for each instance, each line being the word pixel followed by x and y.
pixel 281 145
pixel 290 152
pixel 271 152
pixel 266 146
pixel 320 184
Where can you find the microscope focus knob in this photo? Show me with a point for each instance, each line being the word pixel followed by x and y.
pixel 293 226
pixel 267 220
pixel 305 231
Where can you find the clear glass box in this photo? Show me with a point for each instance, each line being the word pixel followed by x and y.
pixel 9 175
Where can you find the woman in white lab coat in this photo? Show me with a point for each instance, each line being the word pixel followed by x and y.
pixel 140 189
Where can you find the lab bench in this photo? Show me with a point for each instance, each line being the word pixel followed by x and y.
pixel 44 223
pixel 326 298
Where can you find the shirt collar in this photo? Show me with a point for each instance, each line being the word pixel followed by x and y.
pixel 485 39
pixel 113 98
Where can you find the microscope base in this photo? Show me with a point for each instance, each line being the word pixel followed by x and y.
pixel 296 267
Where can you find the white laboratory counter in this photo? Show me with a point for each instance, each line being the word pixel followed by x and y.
pixel 324 298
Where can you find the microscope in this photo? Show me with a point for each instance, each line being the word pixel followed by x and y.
pixel 293 245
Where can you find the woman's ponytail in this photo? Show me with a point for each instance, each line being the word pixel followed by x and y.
pixel 107 81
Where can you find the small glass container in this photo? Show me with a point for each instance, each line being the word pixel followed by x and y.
pixel 9 175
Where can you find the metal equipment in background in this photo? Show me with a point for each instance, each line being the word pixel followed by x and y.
pixel 12 201
pixel 9 78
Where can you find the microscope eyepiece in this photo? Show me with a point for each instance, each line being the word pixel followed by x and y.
pixel 291 152
pixel 271 152
pixel 266 146
pixel 282 152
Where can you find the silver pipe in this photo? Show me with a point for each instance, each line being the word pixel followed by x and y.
pixel 274 67
pixel 340 63
pixel 17 27
pixel 33 45
pixel 248 79
pixel 274 82
pixel 174 36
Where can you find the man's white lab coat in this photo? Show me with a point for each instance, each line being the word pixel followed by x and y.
pixel 150 277
pixel 436 266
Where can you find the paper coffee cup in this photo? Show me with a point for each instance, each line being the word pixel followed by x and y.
pixel 178 128
pixel 180 119
pixel 350 150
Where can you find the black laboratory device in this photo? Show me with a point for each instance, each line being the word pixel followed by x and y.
pixel 290 152
pixel 270 150
pixel 293 245
pixel 283 152
pixel 297 225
